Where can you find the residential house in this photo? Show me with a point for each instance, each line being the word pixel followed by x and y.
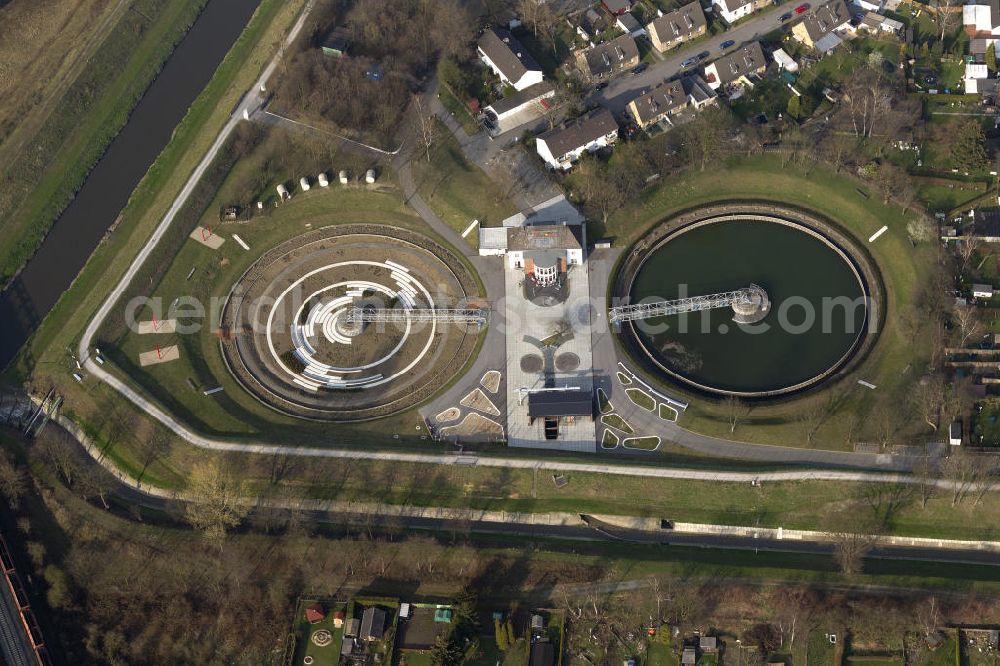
pixel 630 25
pixel 372 624
pixel 522 107
pixel 605 60
pixel 668 99
pixel 677 27
pixel 821 28
pixel 562 146
pixel 315 614
pixel 877 24
pixel 982 290
pixel 507 57
pixel 981 18
pixel 978 81
pixel 733 69
pixel 616 7
pixel 955 433
pixel 785 61
pixel 336 43
pixel 732 11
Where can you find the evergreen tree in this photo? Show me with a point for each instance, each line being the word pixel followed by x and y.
pixel 794 107
pixel 445 652
pixel 500 635
pixel 968 149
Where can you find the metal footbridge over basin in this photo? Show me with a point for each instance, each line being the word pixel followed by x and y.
pixel 750 305
pixel 365 315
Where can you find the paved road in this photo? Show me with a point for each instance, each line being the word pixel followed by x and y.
pixel 624 89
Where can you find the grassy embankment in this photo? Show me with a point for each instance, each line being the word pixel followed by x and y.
pixel 46 173
pixel 457 191
pixel 845 412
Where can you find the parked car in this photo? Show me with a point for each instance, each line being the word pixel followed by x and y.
pixel 639 69
pixel 689 62
pixel 802 9
pixel 703 55
pixel 726 44
pixel 785 17
pixel 601 86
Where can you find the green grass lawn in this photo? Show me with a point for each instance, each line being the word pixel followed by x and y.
pixel 641 398
pixel 946 655
pixel 459 111
pixel 459 192
pixel 659 650
pixel 327 655
pixel 616 421
pixel 643 443
pixel 943 199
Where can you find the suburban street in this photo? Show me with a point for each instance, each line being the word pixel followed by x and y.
pixel 627 87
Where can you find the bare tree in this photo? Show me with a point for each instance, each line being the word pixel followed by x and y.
pixel 966 318
pixel 944 18
pixel 426 125
pixel 963 470
pixel 927 471
pixel 12 482
pixel 852 541
pixel 920 229
pixel 928 397
pixel 966 248
pixel 737 410
pixel 868 97
pixel 216 504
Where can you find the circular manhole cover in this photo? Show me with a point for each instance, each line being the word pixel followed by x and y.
pixel 567 362
pixel 531 363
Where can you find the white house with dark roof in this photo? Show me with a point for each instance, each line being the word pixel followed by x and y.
pixel 506 56
pixel 734 68
pixel 733 10
pixel 562 146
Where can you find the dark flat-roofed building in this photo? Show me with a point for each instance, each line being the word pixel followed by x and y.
pixel 561 404
pixel 677 26
pixel 372 624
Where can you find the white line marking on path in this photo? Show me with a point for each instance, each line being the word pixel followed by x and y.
pixel 469 228
pixel 874 236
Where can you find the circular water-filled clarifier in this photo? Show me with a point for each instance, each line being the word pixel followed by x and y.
pixel 817 314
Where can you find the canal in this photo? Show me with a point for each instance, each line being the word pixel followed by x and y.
pixel 77 232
